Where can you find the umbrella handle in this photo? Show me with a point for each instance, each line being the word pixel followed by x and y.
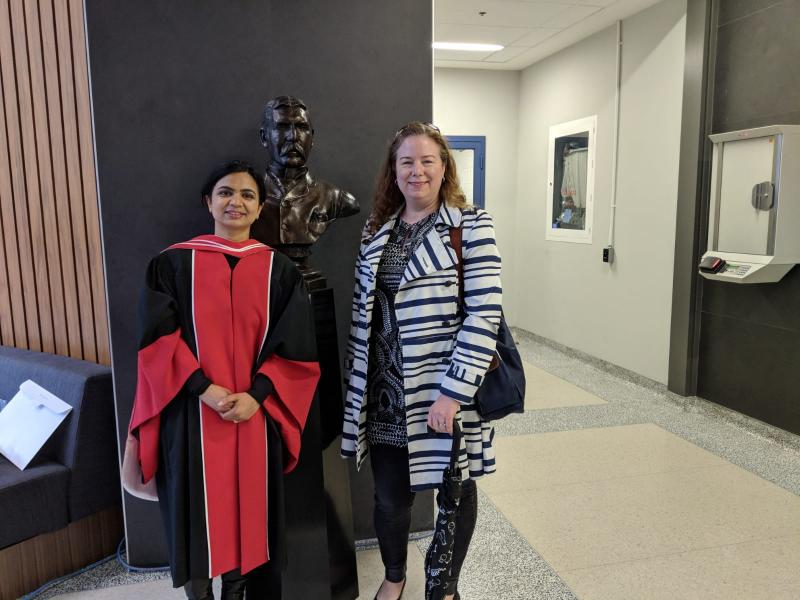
pixel 456 450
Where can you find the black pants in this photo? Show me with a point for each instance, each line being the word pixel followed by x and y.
pixel 393 502
pixel 262 583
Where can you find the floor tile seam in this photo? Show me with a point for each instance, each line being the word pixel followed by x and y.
pixel 621 478
pixel 609 397
pixel 517 434
pixel 597 364
pixel 625 377
pixel 704 441
pixel 722 434
pixel 737 424
pixel 503 433
pixel 566 374
pixel 588 411
pixel 780 438
pixel 484 498
pixel 678 553
pixel 588 387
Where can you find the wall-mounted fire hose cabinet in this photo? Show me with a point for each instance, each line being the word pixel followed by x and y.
pixel 754 209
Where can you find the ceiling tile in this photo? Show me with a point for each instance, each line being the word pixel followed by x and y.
pixel 536 36
pixel 552 25
pixel 480 34
pixel 505 54
pixel 498 13
pixel 460 55
pixel 572 15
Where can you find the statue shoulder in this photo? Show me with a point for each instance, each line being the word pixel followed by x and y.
pixel 342 201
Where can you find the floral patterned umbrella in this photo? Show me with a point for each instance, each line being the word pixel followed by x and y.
pixel 440 553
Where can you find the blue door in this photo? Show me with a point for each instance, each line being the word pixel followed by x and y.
pixel 469 153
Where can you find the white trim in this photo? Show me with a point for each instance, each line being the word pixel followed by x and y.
pixel 194 321
pixel 269 293
pixel 266 481
pixel 212 244
pixel 200 411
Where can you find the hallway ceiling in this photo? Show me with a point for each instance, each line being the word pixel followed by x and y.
pixel 530 30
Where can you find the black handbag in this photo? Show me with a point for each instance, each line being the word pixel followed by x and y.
pixel 502 390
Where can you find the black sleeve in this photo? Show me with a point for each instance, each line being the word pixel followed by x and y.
pixel 197 383
pixel 261 388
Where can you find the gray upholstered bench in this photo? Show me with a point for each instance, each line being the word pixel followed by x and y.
pixel 63 510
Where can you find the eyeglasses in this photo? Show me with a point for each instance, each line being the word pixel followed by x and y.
pixel 414 125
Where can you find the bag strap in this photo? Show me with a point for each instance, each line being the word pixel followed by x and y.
pixel 455 241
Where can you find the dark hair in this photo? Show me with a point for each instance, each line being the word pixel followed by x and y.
pixel 233 166
pixel 388 198
pixel 282 102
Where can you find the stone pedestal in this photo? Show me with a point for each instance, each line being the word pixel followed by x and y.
pixel 320 489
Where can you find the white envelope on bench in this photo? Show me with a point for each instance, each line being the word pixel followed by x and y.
pixel 28 421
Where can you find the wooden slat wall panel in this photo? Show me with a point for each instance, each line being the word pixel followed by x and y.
pixel 73 171
pixel 7 219
pixel 30 200
pixel 8 328
pixel 15 204
pixel 60 188
pixel 49 246
pixel 52 292
pixel 89 180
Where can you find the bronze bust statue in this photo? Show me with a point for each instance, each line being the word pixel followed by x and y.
pixel 298 208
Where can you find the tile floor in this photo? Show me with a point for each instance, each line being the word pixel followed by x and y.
pixel 608 488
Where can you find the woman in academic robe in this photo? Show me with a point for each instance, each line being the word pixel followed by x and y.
pixel 226 374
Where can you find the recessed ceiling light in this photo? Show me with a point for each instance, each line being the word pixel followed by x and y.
pixel 467 47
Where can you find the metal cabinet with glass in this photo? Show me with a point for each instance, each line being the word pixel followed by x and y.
pixel 570 181
pixel 754 209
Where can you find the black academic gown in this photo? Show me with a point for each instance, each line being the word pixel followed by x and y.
pixel 237 315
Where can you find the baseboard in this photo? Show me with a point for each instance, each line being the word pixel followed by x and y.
pixel 31 563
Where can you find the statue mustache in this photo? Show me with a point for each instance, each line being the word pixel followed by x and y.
pixel 296 147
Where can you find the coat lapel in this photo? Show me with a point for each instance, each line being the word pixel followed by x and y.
pixel 432 254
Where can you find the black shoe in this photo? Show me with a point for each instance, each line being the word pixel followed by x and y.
pixel 198 589
pixel 402 589
pixel 233 590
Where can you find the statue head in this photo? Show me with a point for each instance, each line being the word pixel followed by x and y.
pixel 286 132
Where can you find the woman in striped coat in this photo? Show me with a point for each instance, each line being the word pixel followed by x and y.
pixel 415 359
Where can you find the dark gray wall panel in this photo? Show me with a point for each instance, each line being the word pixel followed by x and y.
pixel 764 304
pixel 750 334
pixel 179 86
pixel 733 10
pixel 758 69
pixel 751 368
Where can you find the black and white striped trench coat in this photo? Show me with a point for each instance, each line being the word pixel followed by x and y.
pixel 441 354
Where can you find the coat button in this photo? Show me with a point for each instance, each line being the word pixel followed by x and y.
pixel 448 283
pixel 445 323
pixel 285 226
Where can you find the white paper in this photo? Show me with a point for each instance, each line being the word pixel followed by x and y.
pixel 28 421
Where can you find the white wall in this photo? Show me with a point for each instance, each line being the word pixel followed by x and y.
pixel 564 291
pixel 472 102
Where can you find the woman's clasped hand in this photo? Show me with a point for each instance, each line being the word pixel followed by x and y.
pixel 231 407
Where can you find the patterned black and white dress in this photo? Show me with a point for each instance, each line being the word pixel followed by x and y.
pixel 386 407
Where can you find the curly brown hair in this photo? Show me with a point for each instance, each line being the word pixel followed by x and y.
pixel 388 199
